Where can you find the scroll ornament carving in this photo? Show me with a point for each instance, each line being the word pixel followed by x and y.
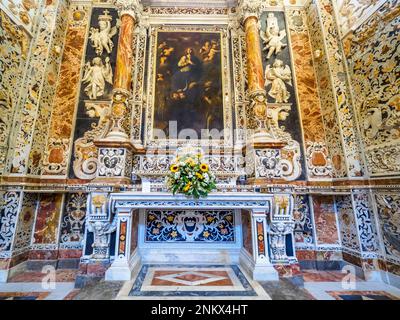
pixel 85 152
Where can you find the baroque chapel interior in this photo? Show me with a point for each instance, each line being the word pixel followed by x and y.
pixel 232 149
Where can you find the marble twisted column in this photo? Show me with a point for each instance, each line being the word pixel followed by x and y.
pixel 123 77
pixel 249 15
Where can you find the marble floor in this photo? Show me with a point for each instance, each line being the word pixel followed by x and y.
pixel 169 282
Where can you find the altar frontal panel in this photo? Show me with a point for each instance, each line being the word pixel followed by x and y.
pixel 190 226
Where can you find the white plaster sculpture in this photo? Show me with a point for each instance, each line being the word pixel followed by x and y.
pixel 272 37
pixel 101 39
pixel 278 75
pixel 96 75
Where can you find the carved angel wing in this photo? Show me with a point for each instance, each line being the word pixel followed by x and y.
pixel 288 75
pixel 113 32
pixel 268 75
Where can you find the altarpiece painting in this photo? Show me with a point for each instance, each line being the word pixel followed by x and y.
pixel 188 81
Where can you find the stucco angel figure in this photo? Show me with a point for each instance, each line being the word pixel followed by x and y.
pixel 101 38
pixel 96 75
pixel 278 75
pixel 272 39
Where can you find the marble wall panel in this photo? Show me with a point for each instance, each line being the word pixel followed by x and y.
pixel 33 84
pixel 9 208
pixel 388 205
pixel 373 57
pixel 319 164
pixel 247 232
pixel 39 134
pixel 47 219
pixel 59 137
pixel 93 113
pixel 367 229
pixel 73 220
pixel 135 230
pixel 303 230
pixel 14 46
pixel 282 96
pixel 26 217
pixel 344 103
pixel 347 223
pixel 326 228
pixel 325 88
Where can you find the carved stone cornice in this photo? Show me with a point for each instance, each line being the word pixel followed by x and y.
pixel 133 8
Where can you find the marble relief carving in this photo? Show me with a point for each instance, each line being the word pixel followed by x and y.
pixel 31 97
pixel 190 226
pixel 344 103
pixel 45 103
pixel 318 161
pixel 373 57
pixel 389 220
pixel 23 11
pixel 57 149
pixel 281 97
pixel 325 88
pixel 94 106
pixel 351 12
pixel 14 44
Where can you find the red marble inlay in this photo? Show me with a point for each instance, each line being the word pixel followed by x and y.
pixel 37 276
pixel 190 277
pixel 325 220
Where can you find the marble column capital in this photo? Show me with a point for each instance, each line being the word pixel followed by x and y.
pixel 249 9
pixel 132 8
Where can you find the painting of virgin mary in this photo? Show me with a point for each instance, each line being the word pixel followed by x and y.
pixel 188 81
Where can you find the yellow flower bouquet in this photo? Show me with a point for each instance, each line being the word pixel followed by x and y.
pixel 189 175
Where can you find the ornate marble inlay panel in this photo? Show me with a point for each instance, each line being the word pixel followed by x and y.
pixel 374 59
pixel 58 144
pixel 93 115
pixel 329 114
pixel 73 219
pixel 389 220
pixel 343 99
pixel 26 217
pixel 190 226
pixel 47 219
pixel 48 41
pixel 325 220
pixel 303 228
pixel 319 163
pixel 9 207
pixel 347 223
pixel 14 46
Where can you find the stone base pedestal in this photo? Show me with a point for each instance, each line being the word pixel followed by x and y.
pixel 122 270
pixel 264 272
